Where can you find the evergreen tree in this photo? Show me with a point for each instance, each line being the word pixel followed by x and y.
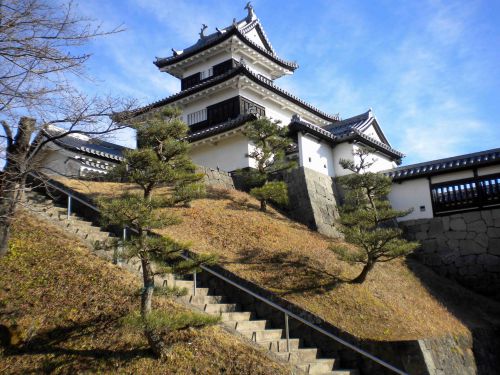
pixel 367 219
pixel 270 142
pixel 161 160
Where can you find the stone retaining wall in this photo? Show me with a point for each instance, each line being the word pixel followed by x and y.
pixel 464 247
pixel 312 199
pixel 214 177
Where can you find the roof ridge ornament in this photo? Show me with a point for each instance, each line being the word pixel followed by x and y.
pixel 202 31
pixel 251 14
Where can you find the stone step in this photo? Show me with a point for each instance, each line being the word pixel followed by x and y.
pixel 188 284
pixel 247 325
pixel 202 299
pixel 263 335
pixel 279 346
pixel 300 355
pixel 235 316
pixel 319 366
pixel 216 308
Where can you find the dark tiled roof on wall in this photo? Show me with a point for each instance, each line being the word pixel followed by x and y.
pixel 455 163
pixel 346 134
pixel 83 144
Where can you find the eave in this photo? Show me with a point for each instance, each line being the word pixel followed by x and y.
pixel 225 80
pixel 447 165
pixel 175 64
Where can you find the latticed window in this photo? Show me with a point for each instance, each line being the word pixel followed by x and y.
pixel 198 116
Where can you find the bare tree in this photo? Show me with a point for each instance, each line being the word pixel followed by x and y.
pixel 40 57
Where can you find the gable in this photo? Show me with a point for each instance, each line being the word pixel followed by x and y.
pixel 254 36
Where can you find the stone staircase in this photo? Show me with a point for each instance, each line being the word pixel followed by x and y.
pixel 306 360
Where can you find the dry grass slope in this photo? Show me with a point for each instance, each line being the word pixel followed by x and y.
pixel 64 303
pixel 295 263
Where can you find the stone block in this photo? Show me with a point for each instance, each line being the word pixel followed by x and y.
pixel 468 247
pixel 493 232
pixel 478 226
pixel 429 246
pixel 494 247
pixel 435 227
pixel 453 244
pixel 482 239
pixel 487 217
pixel 471 235
pixel 469 259
pixel 488 260
pixel 419 236
pixel 470 217
pixel 446 223
pixel 496 223
pixel 457 224
pixel 495 213
pixel 456 235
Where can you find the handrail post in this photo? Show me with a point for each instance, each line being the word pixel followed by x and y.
pixel 287 333
pixel 69 206
pixel 194 283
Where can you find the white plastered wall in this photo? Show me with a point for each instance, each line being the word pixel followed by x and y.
pixel 204 65
pixel 492 169
pixel 315 154
pixel 452 176
pixel 227 154
pixel 414 194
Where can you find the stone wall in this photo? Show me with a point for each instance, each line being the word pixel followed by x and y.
pixel 214 177
pixel 464 247
pixel 312 199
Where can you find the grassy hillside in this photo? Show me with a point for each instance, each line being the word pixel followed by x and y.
pixel 64 304
pixel 395 303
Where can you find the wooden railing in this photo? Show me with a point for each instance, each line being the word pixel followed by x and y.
pixel 466 194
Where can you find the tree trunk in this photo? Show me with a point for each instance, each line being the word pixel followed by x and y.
pixel 155 341
pixel 362 276
pixel 263 205
pixel 13 180
pixel 149 284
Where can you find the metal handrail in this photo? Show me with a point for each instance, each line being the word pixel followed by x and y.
pixel 287 312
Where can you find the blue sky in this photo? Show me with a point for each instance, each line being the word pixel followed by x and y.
pixel 428 69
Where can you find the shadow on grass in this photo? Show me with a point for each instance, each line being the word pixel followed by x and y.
pixel 480 314
pixel 60 345
pixel 286 274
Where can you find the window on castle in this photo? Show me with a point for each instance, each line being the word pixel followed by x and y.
pixel 198 116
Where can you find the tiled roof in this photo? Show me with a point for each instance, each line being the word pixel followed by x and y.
pixel 343 136
pixel 440 166
pixel 239 70
pixel 357 123
pixel 85 144
pixel 220 128
pixel 239 29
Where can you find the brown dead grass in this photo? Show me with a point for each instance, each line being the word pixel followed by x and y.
pixel 64 304
pixel 294 262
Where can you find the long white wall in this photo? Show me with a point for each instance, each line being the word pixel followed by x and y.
pixel 414 194
pixel 227 154
pixel 315 154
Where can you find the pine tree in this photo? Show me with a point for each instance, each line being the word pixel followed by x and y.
pixel 270 142
pixel 367 219
pixel 161 160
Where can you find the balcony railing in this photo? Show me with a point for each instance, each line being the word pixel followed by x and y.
pixel 466 194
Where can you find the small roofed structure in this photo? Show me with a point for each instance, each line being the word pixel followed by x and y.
pixel 76 155
pixel 445 186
